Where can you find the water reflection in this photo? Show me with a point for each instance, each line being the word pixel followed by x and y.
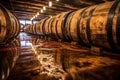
pixel 8 56
pixel 48 58
pixel 28 40
pixel 67 62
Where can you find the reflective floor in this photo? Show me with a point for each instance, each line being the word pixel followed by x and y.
pixel 44 59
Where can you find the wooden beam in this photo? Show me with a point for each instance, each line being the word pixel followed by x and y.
pixel 59 4
pixel 39 4
pixel 34 9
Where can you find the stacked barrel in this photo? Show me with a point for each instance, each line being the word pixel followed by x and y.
pixel 9 45
pixel 97 25
pixel 9 26
pixel 8 56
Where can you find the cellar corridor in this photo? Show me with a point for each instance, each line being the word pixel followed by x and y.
pixel 44 59
pixel 59 39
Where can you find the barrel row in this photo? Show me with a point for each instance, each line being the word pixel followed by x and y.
pixel 9 26
pixel 96 25
pixel 8 56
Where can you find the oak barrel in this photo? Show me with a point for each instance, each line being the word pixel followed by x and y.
pixel 54 26
pixel 42 26
pixel 96 25
pixel 9 26
pixel 47 27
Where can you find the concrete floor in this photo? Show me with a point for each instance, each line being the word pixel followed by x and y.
pixel 42 59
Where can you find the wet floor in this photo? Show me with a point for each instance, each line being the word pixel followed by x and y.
pixel 40 58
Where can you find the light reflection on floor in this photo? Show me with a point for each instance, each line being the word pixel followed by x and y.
pixel 42 59
pixel 28 60
pixel 25 40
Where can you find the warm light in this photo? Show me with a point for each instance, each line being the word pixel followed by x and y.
pixel 35 52
pixel 41 11
pixel 8 72
pixel 50 16
pixel 31 18
pixel 50 3
pixel 3 75
pixel 44 8
pixel 38 56
pixel 50 61
pixel 57 0
pixel 38 13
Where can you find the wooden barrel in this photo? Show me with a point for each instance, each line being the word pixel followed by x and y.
pixel 50 27
pixel 95 25
pixel 72 30
pixel 16 25
pixel 37 28
pixel 33 29
pixel 42 26
pixel 28 27
pixel 9 26
pixel 54 26
pixel 46 27
pixel 98 25
pixel 102 25
pixel 61 31
pixel 72 26
pixel 67 33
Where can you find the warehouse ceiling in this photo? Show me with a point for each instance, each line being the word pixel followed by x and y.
pixel 27 9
